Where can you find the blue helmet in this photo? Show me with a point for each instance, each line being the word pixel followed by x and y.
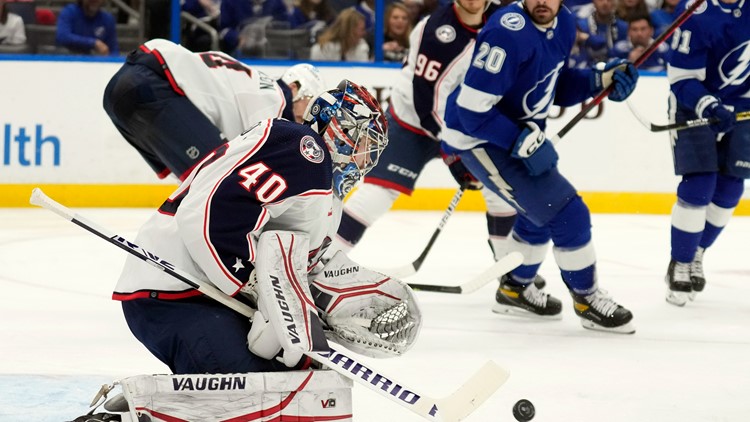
pixel 354 128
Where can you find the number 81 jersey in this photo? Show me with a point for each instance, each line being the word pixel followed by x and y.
pixel 275 176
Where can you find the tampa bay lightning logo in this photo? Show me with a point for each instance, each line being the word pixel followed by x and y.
pixel 734 68
pixel 311 150
pixel 513 21
pixel 537 100
pixel 702 8
pixel 445 34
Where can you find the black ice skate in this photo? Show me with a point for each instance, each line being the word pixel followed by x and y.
pixel 600 312
pixel 679 284
pixel 526 301
pixel 697 279
pixel 99 417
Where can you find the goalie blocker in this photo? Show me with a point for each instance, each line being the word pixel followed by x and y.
pixel 294 395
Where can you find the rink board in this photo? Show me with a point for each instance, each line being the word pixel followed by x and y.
pixel 54 133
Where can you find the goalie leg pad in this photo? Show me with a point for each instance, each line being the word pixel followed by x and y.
pixel 366 311
pixel 292 395
pixel 284 297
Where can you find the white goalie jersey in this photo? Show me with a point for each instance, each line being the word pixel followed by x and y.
pixel 231 94
pixel 276 176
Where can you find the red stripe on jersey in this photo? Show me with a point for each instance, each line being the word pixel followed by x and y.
pixel 405 125
pixel 168 73
pixel 388 184
pixel 158 295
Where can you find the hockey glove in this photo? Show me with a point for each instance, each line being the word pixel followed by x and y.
pixel 723 116
pixel 459 172
pixel 619 72
pixel 533 148
pixel 366 311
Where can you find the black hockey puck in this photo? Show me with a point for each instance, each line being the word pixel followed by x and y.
pixel 523 410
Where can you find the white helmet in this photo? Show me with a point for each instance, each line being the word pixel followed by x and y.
pixel 308 78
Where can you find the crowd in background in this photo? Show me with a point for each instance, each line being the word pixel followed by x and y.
pixel 333 30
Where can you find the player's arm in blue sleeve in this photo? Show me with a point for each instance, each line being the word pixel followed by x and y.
pixel 65 36
pixel 229 22
pixel 484 85
pixel 573 87
pixel 686 70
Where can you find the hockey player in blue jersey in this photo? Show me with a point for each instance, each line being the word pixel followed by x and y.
pixel 440 53
pixel 709 72
pixel 496 122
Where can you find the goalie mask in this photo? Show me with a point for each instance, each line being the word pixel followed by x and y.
pixel 354 128
pixel 307 77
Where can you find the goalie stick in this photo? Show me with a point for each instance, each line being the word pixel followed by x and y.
pixel 453 408
pixel 411 269
pixel 642 58
pixel 505 265
pixel 744 115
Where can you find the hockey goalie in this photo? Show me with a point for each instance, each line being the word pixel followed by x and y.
pixel 253 220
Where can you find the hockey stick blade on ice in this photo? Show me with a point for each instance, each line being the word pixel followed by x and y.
pixel 452 408
pixel 411 269
pixel 642 58
pixel 505 265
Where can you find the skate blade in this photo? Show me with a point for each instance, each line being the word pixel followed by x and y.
pixel 622 329
pixel 678 298
pixel 520 312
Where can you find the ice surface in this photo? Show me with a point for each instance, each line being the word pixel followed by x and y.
pixel 61 336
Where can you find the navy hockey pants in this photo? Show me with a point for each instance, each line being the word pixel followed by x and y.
pixel 195 336
pixel 166 128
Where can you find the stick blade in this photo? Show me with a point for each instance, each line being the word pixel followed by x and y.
pixel 475 391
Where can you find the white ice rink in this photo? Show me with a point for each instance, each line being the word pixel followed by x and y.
pixel 61 336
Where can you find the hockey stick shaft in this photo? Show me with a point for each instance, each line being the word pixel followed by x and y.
pixel 505 265
pixel 452 408
pixel 642 58
pixel 411 269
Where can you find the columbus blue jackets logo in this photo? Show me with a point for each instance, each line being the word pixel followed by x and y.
pixel 445 34
pixel 311 150
pixel 513 21
pixel 734 68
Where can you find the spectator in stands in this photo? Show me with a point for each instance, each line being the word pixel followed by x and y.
pixel 85 28
pixel 629 8
pixel 664 16
pixel 12 31
pixel 194 37
pixel 308 13
pixel 343 40
pixel 396 32
pixel 597 34
pixel 416 10
pixel 640 37
pixel 235 14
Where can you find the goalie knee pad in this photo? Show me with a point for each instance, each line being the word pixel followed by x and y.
pixel 365 311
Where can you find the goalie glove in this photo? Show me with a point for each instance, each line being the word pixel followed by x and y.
pixel 365 311
pixel 287 318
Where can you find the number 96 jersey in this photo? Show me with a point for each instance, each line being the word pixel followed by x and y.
pixel 275 176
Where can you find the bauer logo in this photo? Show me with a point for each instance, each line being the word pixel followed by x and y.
pixel 29 147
